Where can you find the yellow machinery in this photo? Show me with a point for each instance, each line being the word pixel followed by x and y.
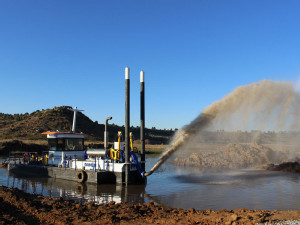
pixel 131 141
pixel 118 148
pixel 134 149
pixel 117 152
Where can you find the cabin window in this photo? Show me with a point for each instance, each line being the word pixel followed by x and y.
pixel 73 144
pixel 65 144
pixel 52 143
pixel 60 144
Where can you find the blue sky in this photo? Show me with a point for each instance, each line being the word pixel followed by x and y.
pixel 74 53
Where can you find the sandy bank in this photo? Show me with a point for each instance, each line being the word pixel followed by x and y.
pixel 18 207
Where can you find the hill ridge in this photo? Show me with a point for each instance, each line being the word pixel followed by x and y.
pixel 31 126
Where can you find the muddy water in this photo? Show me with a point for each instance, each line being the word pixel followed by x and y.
pixel 175 187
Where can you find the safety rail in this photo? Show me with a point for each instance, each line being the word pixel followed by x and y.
pixel 96 163
pixel 30 158
pixel 65 163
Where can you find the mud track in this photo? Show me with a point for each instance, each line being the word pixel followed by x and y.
pixel 18 207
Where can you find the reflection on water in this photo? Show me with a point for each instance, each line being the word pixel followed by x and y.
pixel 52 187
pixel 230 177
pixel 180 188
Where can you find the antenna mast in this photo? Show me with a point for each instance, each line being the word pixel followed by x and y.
pixel 75 110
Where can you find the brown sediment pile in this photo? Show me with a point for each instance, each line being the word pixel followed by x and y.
pixel 233 156
pixel 18 207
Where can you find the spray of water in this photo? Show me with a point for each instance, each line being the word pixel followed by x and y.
pixel 266 105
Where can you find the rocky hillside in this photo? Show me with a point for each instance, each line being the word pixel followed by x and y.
pixel 30 126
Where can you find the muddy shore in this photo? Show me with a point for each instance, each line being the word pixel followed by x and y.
pixel 18 207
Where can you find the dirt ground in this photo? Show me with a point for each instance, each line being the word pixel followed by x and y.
pixel 18 207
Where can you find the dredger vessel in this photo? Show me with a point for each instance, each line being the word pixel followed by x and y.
pixel 68 159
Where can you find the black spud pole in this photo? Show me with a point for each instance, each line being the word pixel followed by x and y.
pixel 142 103
pixel 127 123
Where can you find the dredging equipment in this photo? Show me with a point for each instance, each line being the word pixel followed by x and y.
pixel 67 158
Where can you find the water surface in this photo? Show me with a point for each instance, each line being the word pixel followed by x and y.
pixel 179 188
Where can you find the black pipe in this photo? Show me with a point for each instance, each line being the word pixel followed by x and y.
pixel 142 138
pixel 127 123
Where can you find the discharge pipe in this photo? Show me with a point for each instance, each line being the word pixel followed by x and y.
pixel 179 138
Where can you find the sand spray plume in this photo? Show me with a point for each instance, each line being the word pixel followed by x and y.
pixel 265 105
pixel 180 137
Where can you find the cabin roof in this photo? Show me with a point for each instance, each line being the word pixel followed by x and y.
pixel 57 132
pixel 51 134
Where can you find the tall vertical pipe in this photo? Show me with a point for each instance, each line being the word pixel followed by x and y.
pixel 127 123
pixel 106 135
pixel 142 103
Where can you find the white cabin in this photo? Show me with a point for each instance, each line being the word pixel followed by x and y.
pixel 63 146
